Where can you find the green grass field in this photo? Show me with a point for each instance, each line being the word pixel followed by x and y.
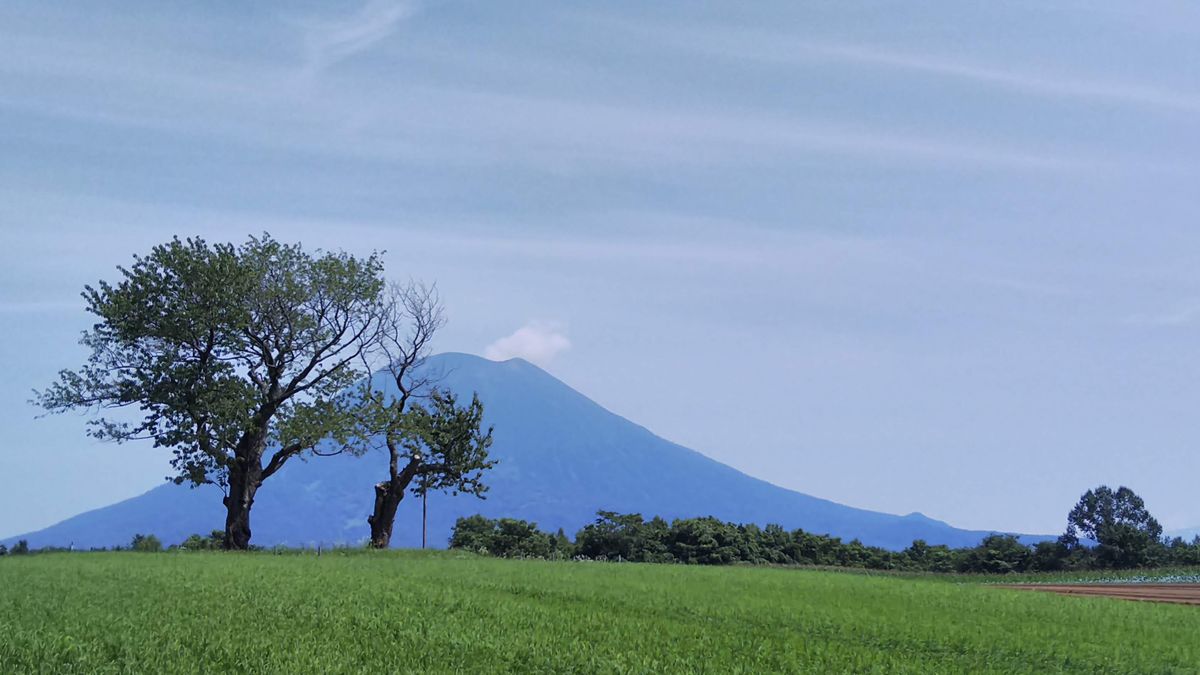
pixel 448 612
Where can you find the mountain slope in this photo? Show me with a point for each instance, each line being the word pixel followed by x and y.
pixel 561 458
pixel 1187 534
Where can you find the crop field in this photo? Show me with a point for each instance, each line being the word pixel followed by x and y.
pixel 451 612
pixel 1184 594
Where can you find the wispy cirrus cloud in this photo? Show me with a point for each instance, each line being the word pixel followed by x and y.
pixel 1069 87
pixel 765 46
pixel 328 42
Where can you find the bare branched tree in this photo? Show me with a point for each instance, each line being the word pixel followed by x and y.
pixel 427 434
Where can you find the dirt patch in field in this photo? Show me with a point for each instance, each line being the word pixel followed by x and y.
pixel 1184 594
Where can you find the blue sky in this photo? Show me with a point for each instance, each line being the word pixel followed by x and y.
pixel 937 258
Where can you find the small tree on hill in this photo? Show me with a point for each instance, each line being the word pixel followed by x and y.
pixel 20 548
pixel 1118 521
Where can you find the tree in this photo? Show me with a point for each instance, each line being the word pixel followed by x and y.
pixel 237 357
pixel 505 538
pixel 433 443
pixel 20 548
pixel 520 539
pixel 442 446
pixel 145 543
pixel 474 533
pixel 615 536
pixel 1049 556
pixel 996 554
pixel 1125 532
pixel 3 550
pixel 196 542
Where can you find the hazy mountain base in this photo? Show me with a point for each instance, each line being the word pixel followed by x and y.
pixel 562 458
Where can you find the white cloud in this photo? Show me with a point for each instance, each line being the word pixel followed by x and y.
pixel 537 341
pixel 334 41
pixel 788 49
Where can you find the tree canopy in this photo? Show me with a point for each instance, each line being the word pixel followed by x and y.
pixel 236 358
pixel 1118 521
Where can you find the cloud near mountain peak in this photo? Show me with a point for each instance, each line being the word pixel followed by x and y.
pixel 538 342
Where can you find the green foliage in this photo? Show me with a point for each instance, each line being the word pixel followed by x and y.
pixel 451 443
pixel 227 352
pixel 709 541
pixel 217 343
pixel 506 538
pixel 920 555
pixel 1051 556
pixel 214 541
pixel 474 533
pixel 446 612
pixel 3 550
pixel 145 543
pixel 996 554
pixel 624 537
pixel 1117 520
pixel 20 548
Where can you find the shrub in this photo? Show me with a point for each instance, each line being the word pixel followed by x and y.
pixel 145 543
pixel 213 542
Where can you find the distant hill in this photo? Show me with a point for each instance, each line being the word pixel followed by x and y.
pixel 1187 534
pixel 561 455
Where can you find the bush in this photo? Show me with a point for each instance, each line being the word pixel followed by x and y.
pixel 624 537
pixel 504 538
pixel 145 543
pixel 996 554
pixel 215 541
pixel 474 533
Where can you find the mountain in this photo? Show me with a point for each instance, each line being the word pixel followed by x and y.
pixel 561 458
pixel 1187 534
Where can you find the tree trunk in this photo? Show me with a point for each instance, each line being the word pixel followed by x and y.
pixel 388 495
pixel 244 480
pixel 387 500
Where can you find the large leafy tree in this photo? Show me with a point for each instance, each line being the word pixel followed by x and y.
pixel 237 358
pixel 1118 521
pixel 433 442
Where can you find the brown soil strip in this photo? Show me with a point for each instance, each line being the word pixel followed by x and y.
pixel 1185 594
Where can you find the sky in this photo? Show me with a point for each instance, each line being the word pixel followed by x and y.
pixel 937 257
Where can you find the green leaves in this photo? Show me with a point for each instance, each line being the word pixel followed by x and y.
pixel 451 442
pixel 1128 536
pixel 226 350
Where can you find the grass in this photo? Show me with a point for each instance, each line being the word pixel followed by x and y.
pixel 448 612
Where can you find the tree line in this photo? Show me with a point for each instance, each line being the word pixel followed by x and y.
pixel 1107 529
pixel 241 358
